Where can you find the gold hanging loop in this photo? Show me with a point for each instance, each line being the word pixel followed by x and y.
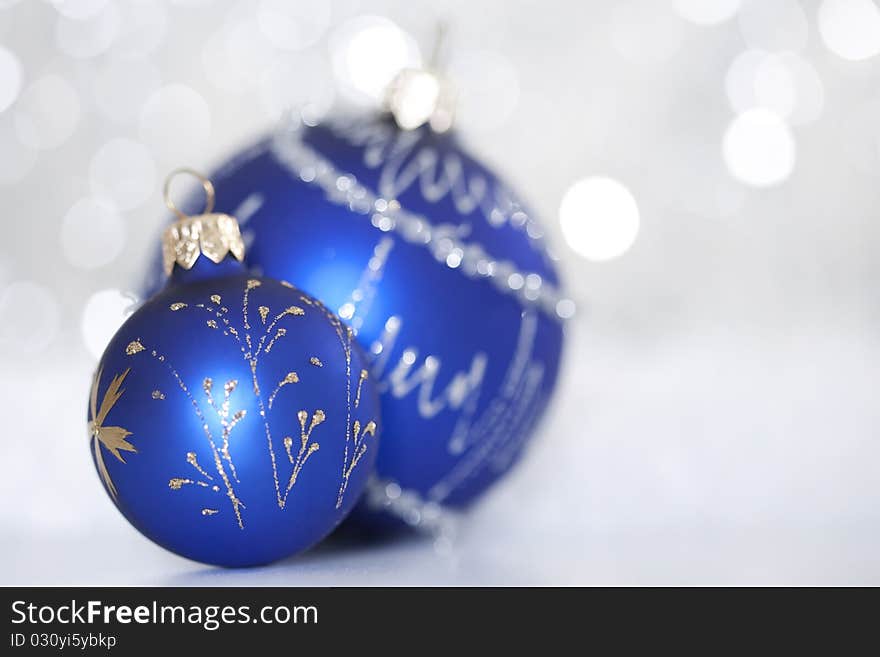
pixel 207 185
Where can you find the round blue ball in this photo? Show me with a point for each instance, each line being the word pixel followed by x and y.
pixel 231 419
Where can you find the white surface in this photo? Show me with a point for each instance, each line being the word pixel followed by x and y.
pixel 711 458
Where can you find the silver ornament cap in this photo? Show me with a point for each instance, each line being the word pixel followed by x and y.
pixel 419 96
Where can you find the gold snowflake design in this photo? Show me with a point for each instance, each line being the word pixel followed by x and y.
pixel 113 439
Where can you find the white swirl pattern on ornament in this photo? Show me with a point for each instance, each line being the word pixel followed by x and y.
pixel 443 240
pixel 503 425
pixel 402 167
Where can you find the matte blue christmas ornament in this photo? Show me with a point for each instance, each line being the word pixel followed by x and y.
pixel 443 275
pixel 231 418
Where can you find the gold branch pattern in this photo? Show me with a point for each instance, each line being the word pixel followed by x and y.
pixel 237 504
pixel 353 452
pixel 251 348
pixel 359 449
pixel 306 449
pixel 361 379
pixel 291 377
pixel 251 344
pixel 223 413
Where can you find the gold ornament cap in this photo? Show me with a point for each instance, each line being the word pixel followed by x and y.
pixel 211 234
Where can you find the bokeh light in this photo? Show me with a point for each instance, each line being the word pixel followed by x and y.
pixel 30 315
pixel 695 106
pixel 759 148
pixel 803 98
pixel 565 308
pixel 221 69
pixel 774 25
pixel 234 56
pixel 645 32
pixel 47 113
pixel 784 83
pixel 859 135
pixel 299 83
pixel 739 81
pixel 17 159
pixel 123 86
pixel 599 218
pixel 247 47
pixel 88 37
pixel 10 78
pixel 175 123
pixel 92 233
pixel 488 90
pixel 79 9
pixel 774 86
pixel 143 29
pixel 192 4
pixel 850 28
pixel 367 52
pixel 103 314
pixel 124 171
pixel 293 25
pixel 706 12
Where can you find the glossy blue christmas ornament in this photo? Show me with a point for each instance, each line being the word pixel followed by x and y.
pixel 231 418
pixel 441 272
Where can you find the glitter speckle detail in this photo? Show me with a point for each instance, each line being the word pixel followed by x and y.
pixel 441 240
pixel 360 448
pixel 158 395
pixel 344 335
pixel 177 306
pixel 191 459
pixel 222 411
pixel 179 482
pixel 306 449
pixel 280 334
pixel 292 377
pixel 210 512
pixel 134 347
pixel 251 347
pixel 361 379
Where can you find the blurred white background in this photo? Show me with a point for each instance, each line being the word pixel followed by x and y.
pixel 707 169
